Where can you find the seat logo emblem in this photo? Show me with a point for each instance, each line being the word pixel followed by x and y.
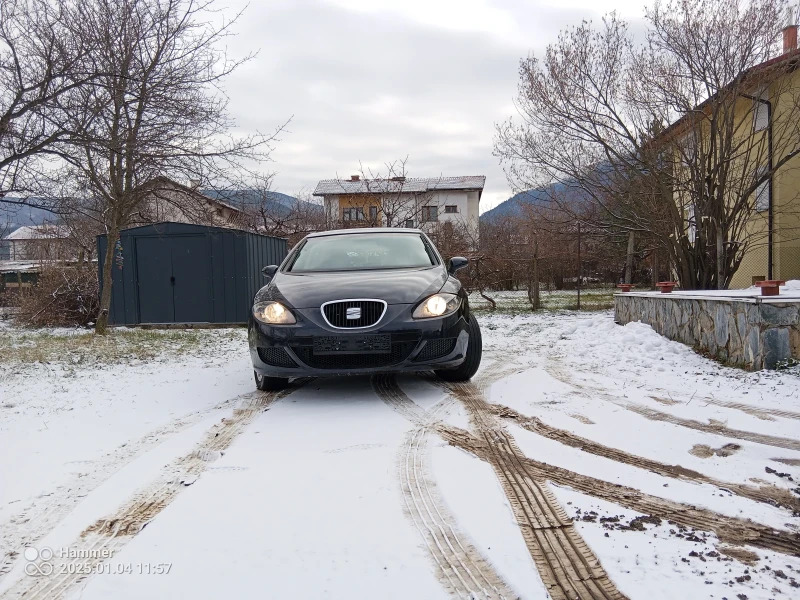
pixel 354 313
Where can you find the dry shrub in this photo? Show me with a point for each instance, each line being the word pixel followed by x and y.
pixel 61 298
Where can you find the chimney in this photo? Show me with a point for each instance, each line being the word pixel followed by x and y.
pixel 790 31
pixel 358 177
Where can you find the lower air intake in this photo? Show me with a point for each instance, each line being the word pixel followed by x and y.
pixel 277 357
pixel 434 349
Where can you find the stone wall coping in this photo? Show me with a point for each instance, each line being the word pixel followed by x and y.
pixel 784 298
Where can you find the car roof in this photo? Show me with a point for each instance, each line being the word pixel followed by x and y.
pixel 364 230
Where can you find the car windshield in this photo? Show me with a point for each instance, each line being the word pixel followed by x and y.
pixel 362 251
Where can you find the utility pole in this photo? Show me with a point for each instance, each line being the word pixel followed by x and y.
pixel 579 265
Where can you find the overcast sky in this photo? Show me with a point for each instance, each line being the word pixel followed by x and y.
pixel 378 80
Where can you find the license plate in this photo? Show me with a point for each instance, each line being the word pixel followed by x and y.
pixel 353 344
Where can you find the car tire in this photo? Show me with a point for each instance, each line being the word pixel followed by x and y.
pixel 270 384
pixel 469 367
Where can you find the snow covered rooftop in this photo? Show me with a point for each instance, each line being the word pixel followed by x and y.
pixel 17 266
pixel 38 232
pixel 397 185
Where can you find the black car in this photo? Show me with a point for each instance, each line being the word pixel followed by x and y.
pixel 358 301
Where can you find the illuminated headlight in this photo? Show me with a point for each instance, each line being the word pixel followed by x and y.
pixel 438 305
pixel 273 313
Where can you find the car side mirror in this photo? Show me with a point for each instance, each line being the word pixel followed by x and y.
pixel 456 263
pixel 270 271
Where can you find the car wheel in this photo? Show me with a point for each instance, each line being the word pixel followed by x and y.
pixel 268 384
pixel 469 367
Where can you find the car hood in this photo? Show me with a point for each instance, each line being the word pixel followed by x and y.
pixel 311 290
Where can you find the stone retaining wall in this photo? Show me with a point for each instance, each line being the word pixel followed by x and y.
pixel 747 332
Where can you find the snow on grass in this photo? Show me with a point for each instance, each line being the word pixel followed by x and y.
pixel 695 494
pixel 516 301
pixel 70 426
pixel 306 503
pixel 654 563
pixel 607 366
pixel 72 347
pixel 581 372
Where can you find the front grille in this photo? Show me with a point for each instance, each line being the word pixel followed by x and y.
pixel 436 349
pixel 371 312
pixel 277 357
pixel 400 351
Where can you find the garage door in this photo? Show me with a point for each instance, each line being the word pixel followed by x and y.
pixel 173 276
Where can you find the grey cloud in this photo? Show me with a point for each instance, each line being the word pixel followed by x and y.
pixel 377 87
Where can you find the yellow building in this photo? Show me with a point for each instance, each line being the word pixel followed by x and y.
pixel 764 117
pixel 777 256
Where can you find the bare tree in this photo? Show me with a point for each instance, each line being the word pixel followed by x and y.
pixel 387 198
pixel 593 127
pixel 267 212
pixel 42 58
pixel 155 113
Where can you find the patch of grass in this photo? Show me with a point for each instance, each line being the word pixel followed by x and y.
pixel 78 347
pixel 516 302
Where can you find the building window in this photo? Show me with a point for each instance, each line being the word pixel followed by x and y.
pixel 410 223
pixel 762 191
pixel 430 213
pixel 692 224
pixel 760 112
pixel 373 213
pixel 451 208
pixel 352 214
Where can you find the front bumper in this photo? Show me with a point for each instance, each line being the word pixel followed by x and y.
pixel 446 339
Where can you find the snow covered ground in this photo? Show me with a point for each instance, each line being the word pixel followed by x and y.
pixel 158 472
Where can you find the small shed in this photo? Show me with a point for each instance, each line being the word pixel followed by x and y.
pixel 18 274
pixel 181 273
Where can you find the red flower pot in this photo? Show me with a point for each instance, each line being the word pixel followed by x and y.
pixel 666 286
pixel 770 287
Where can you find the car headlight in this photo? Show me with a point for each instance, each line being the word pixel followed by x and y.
pixel 273 313
pixel 438 305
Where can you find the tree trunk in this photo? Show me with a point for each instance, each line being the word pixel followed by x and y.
pixel 105 296
pixel 629 258
pixel 720 260
pixel 533 290
pixel 558 279
pixel 479 281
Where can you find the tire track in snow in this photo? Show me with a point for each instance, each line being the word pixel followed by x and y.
pixel 730 530
pixel 107 536
pixel 716 428
pixel 37 519
pixel 568 567
pixel 761 412
pixel 556 370
pixel 770 494
pixel 465 571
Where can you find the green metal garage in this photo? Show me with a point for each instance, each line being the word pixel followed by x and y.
pixel 175 273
